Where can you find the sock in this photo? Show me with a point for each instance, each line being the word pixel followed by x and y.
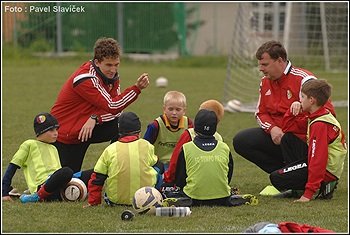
pixel 43 194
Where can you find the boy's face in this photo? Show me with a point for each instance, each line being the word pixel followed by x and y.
pixel 108 66
pixel 305 102
pixel 49 136
pixel 174 110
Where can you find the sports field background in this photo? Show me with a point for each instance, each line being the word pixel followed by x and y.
pixel 30 85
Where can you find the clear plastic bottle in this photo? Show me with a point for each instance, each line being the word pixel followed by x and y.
pixel 173 211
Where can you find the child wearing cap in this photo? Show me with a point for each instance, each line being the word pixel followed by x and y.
pixel 187 136
pixel 165 131
pixel 205 167
pixel 125 166
pixel 40 163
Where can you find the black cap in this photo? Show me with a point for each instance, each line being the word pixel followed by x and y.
pixel 44 122
pixel 205 122
pixel 128 123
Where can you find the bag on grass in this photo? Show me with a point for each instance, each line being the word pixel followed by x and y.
pixel 291 227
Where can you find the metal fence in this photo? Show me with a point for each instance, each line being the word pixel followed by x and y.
pixel 156 27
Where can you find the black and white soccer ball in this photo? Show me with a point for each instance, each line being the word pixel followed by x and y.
pixel 146 200
pixel 75 190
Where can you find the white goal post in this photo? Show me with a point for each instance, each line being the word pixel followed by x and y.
pixel 315 35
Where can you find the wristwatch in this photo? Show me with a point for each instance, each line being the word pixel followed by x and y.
pixel 94 116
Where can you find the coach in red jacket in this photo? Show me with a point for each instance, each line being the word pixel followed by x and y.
pixel 90 102
pixel 267 146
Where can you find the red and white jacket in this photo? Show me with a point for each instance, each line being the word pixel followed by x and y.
pixel 276 97
pixel 87 91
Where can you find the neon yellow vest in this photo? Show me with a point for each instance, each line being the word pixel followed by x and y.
pixel 336 150
pixel 38 160
pixel 166 140
pixel 206 171
pixel 129 167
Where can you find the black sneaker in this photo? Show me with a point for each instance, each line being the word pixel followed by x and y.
pixel 290 193
pixel 327 190
pixel 246 199
pixel 177 202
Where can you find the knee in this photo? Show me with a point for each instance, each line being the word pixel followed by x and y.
pixel 287 137
pixel 237 140
pixel 276 180
pixel 67 171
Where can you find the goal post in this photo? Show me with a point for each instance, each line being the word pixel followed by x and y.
pixel 242 76
pixel 315 35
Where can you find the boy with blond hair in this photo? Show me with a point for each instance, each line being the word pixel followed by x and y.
pixel 165 130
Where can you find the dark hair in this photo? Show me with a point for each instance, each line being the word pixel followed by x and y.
pixel 274 48
pixel 106 48
pixel 320 89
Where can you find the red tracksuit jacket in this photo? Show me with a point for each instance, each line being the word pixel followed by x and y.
pixel 276 97
pixel 85 93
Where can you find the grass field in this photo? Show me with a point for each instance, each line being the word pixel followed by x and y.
pixel 30 85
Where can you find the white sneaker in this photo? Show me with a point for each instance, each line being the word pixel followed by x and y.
pixel 14 193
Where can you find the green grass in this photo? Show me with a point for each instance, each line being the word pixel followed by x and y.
pixel 30 85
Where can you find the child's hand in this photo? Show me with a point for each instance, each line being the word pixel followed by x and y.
pixel 296 108
pixel 7 198
pixel 302 199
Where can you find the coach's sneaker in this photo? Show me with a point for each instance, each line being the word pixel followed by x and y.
pixel 326 191
pixel 177 202
pixel 246 199
pixel 290 193
pixel 30 198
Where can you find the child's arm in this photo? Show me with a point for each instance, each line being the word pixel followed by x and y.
pixel 95 186
pixel 151 132
pixel 230 168
pixel 319 138
pixel 181 175
pixel 169 175
pixel 6 181
pixel 294 120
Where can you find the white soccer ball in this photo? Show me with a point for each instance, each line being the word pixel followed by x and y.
pixel 234 106
pixel 75 190
pixel 161 82
pixel 146 200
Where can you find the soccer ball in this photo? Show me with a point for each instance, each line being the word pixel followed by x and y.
pixel 234 106
pixel 161 82
pixel 146 199
pixel 75 190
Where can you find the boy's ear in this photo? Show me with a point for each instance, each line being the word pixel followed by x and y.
pixel 312 100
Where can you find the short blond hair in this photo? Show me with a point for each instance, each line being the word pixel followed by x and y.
pixel 215 106
pixel 175 95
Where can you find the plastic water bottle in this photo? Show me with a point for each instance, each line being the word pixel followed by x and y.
pixel 173 211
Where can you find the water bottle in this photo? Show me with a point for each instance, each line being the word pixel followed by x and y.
pixel 173 211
